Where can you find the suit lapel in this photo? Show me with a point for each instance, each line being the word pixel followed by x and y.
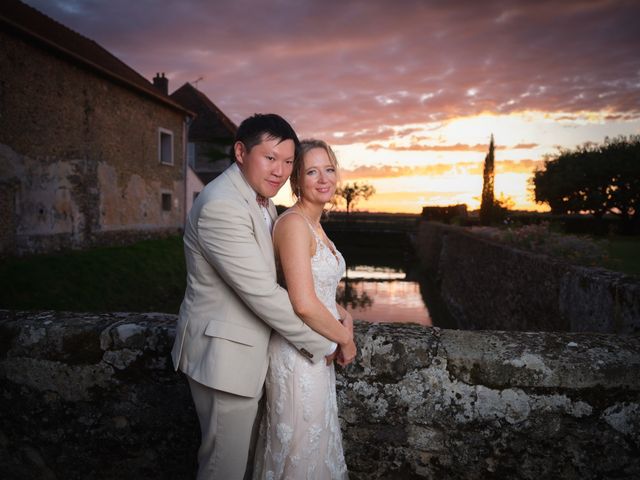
pixel 262 233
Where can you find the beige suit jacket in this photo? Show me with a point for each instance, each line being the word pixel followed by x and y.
pixel 232 300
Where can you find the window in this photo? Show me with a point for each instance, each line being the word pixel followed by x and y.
pixel 165 146
pixel 166 202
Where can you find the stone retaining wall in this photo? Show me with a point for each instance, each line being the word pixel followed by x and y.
pixel 94 396
pixel 489 285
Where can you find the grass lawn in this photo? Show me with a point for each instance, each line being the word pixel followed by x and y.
pixel 145 277
pixel 624 254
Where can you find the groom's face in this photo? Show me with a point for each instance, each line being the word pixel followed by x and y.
pixel 268 165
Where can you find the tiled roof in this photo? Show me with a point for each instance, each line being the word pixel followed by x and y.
pixel 210 124
pixel 28 22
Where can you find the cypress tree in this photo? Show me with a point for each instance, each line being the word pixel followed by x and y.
pixel 488 200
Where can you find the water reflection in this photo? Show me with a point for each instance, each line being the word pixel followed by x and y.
pixel 382 294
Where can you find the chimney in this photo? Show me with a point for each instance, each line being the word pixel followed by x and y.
pixel 161 83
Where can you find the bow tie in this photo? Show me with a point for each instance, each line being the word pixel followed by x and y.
pixel 262 201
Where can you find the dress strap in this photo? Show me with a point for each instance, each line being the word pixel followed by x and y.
pixel 316 235
pixel 313 231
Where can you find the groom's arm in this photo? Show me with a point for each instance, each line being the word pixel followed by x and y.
pixel 227 239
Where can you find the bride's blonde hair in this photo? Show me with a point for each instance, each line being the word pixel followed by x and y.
pixel 306 145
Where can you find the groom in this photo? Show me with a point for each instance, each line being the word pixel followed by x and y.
pixel 232 300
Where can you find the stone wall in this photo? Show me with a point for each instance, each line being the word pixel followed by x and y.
pixel 80 153
pixel 488 285
pixel 94 396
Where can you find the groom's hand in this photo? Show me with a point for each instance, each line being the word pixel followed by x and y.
pixel 332 357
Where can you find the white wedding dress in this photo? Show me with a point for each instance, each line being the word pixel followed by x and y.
pixel 300 434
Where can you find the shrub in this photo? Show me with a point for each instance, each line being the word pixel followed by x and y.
pixel 541 239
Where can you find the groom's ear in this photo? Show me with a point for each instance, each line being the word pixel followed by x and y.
pixel 239 151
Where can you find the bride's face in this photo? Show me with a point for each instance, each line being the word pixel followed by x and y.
pixel 320 177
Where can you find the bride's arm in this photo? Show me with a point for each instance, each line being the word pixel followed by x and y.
pixel 347 319
pixel 293 244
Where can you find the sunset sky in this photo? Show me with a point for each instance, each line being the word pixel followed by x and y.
pixel 407 91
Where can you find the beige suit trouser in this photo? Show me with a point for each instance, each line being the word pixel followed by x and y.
pixel 229 428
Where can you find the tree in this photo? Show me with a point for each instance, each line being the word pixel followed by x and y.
pixel 501 207
pixel 594 179
pixel 487 204
pixel 573 182
pixel 351 193
pixel 623 154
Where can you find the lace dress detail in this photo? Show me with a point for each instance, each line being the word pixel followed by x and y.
pixel 300 434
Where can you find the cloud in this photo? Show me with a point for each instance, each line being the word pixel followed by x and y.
pixel 523 146
pixel 366 68
pixel 518 166
pixel 458 147
pixel 370 172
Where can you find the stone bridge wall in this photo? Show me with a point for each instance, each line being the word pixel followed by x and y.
pixel 489 285
pixel 94 396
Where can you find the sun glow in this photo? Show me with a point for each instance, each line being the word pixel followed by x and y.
pixel 440 163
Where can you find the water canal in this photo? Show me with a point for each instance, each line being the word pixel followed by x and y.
pixel 383 282
pixel 382 294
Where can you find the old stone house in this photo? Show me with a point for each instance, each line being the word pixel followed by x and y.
pixel 210 136
pixel 90 151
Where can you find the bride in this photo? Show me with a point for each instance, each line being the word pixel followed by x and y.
pixel 300 432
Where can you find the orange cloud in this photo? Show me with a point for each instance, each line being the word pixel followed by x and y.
pixel 523 146
pixel 468 168
pixel 517 166
pixel 458 147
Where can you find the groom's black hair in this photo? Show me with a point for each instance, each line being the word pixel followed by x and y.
pixel 261 126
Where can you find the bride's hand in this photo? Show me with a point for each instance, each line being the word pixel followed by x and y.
pixel 347 354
